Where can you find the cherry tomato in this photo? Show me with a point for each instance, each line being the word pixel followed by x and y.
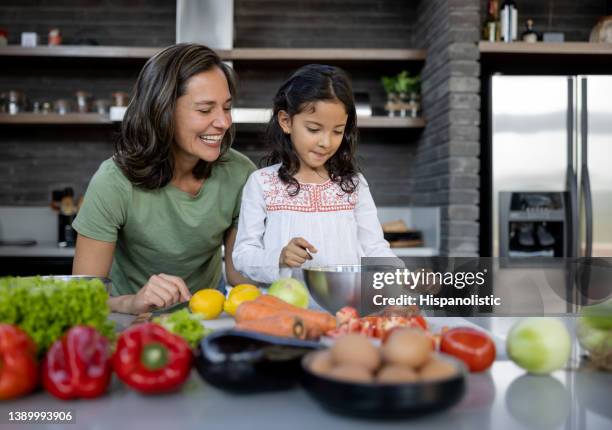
pixel 474 347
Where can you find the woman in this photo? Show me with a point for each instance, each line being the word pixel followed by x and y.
pixel 156 214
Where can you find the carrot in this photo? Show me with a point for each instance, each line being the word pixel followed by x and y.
pixel 324 320
pixel 254 310
pixel 284 325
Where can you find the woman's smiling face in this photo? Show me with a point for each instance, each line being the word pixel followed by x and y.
pixel 202 116
pixel 316 132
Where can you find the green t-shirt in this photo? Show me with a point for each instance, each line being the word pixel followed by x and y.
pixel 166 230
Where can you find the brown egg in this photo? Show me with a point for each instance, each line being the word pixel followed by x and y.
pixel 437 369
pixel 321 362
pixel 407 347
pixel 393 374
pixel 356 349
pixel 350 373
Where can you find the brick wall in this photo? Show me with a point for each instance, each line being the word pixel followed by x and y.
pixel 50 159
pixel 325 23
pixel 447 157
pixel 574 18
pixel 107 22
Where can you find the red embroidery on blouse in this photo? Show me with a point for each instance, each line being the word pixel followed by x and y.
pixel 326 197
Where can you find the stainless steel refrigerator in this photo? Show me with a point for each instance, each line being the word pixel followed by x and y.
pixel 551 165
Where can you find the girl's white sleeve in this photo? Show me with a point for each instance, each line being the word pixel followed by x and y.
pixel 250 256
pixel 369 230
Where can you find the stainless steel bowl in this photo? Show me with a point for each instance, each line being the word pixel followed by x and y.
pixel 334 287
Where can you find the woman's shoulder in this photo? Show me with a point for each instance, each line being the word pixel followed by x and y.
pixel 238 160
pixel 236 165
pixel 109 173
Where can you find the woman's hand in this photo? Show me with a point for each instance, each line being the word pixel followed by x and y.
pixel 296 253
pixel 160 291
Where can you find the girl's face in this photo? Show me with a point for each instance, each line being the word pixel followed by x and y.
pixel 202 116
pixel 316 132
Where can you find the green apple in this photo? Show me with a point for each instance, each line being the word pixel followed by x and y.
pixel 290 290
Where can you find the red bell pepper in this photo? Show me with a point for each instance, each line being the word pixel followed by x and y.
pixel 18 367
pixel 78 365
pixel 150 359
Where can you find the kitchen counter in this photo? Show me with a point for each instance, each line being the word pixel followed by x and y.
pixel 503 398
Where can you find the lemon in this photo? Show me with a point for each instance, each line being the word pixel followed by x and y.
pixel 208 303
pixel 240 294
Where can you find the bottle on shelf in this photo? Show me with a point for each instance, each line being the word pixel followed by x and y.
pixel 509 21
pixel 67 211
pixel 491 31
pixel 530 35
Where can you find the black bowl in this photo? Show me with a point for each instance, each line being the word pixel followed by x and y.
pixel 385 401
pixel 247 362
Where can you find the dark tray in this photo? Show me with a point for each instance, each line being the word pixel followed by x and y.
pixel 385 401
pixel 247 362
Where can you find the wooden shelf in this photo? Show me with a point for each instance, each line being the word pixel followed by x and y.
pixel 276 54
pixel 54 118
pixel 237 54
pixel 93 119
pixel 545 48
pixel 78 51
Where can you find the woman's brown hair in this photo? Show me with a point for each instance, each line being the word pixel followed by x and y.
pixel 143 149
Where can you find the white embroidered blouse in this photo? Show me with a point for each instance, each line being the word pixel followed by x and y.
pixel 342 227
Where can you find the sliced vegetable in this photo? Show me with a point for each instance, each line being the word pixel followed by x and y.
pixel 539 345
pixel 599 315
pixel 597 342
pixel 47 308
pixel 18 368
pixel 377 326
pixel 594 330
pixel 185 324
pixel 150 359
pixel 474 347
pixel 78 365
pixel 346 314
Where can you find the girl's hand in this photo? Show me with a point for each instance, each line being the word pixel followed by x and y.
pixel 160 291
pixel 296 253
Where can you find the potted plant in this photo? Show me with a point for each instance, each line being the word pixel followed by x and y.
pixel 389 84
pixel 402 94
pixel 408 88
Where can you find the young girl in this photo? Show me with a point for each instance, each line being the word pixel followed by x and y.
pixel 310 206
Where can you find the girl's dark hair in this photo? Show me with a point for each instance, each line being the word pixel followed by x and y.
pixel 309 84
pixel 143 149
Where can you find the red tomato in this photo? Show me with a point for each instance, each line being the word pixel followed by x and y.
pixel 474 347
